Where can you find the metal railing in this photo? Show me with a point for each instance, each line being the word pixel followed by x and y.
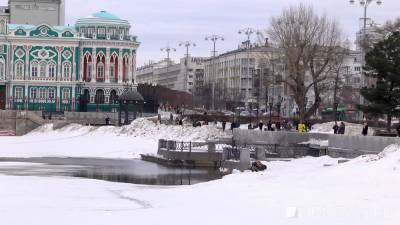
pixel 192 146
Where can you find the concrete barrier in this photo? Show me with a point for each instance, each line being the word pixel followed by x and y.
pixel 353 146
pixel 269 137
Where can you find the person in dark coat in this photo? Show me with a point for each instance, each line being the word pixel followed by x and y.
pixel 398 130
pixel 365 129
pixel 223 125
pixel 269 125
pixel 278 126
pixel 335 128
pixel 342 128
pixel 261 125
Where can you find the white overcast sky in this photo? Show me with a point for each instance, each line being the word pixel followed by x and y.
pixel 159 22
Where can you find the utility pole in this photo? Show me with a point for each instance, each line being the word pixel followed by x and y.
pixel 214 38
pixel 187 45
pixel 364 4
pixel 248 32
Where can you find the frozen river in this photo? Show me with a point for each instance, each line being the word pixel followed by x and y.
pixel 115 170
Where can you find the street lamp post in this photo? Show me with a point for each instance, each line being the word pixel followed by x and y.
pixel 278 108
pixel 364 4
pixel 271 104
pixel 167 49
pixel 187 45
pixel 248 32
pixel 214 38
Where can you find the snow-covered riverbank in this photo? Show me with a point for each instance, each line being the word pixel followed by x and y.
pixel 304 191
pixel 105 142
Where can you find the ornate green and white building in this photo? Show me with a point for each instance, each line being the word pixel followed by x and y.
pixel 66 68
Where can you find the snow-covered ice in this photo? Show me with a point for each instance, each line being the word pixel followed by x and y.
pixel 302 192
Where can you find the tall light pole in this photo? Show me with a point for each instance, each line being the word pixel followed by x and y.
pixel 214 38
pixel 364 4
pixel 248 32
pixel 167 49
pixel 187 45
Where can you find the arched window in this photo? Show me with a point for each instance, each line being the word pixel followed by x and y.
pixel 66 94
pixel 33 94
pixel 112 70
pixel 113 97
pixel 99 97
pixel 52 70
pixel 43 66
pixel 52 93
pixel 66 70
pixel 34 69
pixel 100 71
pixel 42 93
pixel 87 68
pixel 2 70
pixel 100 68
pixel 19 69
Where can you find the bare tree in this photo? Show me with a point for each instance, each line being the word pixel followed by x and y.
pixel 309 44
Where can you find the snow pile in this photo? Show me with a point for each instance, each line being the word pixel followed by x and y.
pixel 351 128
pixel 389 156
pixel 142 127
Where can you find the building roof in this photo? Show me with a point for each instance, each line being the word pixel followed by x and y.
pixel 105 15
pixel 131 95
pixel 102 18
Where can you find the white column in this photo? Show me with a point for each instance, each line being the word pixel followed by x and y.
pixel 82 58
pixel 58 98
pixel 74 64
pixel 94 65
pixel 120 69
pixel 72 100
pixel 107 66
pixel 12 63
pixel 58 74
pixel 133 67
pixel 26 72
pixel 130 64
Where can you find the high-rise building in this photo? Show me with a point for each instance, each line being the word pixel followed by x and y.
pixel 36 12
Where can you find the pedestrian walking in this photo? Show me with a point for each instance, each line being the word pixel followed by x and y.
pixel 301 128
pixel 261 125
pixel 269 125
pixel 365 129
pixel 335 128
pixel 398 130
pixel 223 125
pixel 342 128
pixel 159 118
pixel 278 126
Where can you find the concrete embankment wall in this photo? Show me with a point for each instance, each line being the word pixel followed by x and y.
pixel 21 122
pixel 339 145
pixel 354 146
pixel 278 138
